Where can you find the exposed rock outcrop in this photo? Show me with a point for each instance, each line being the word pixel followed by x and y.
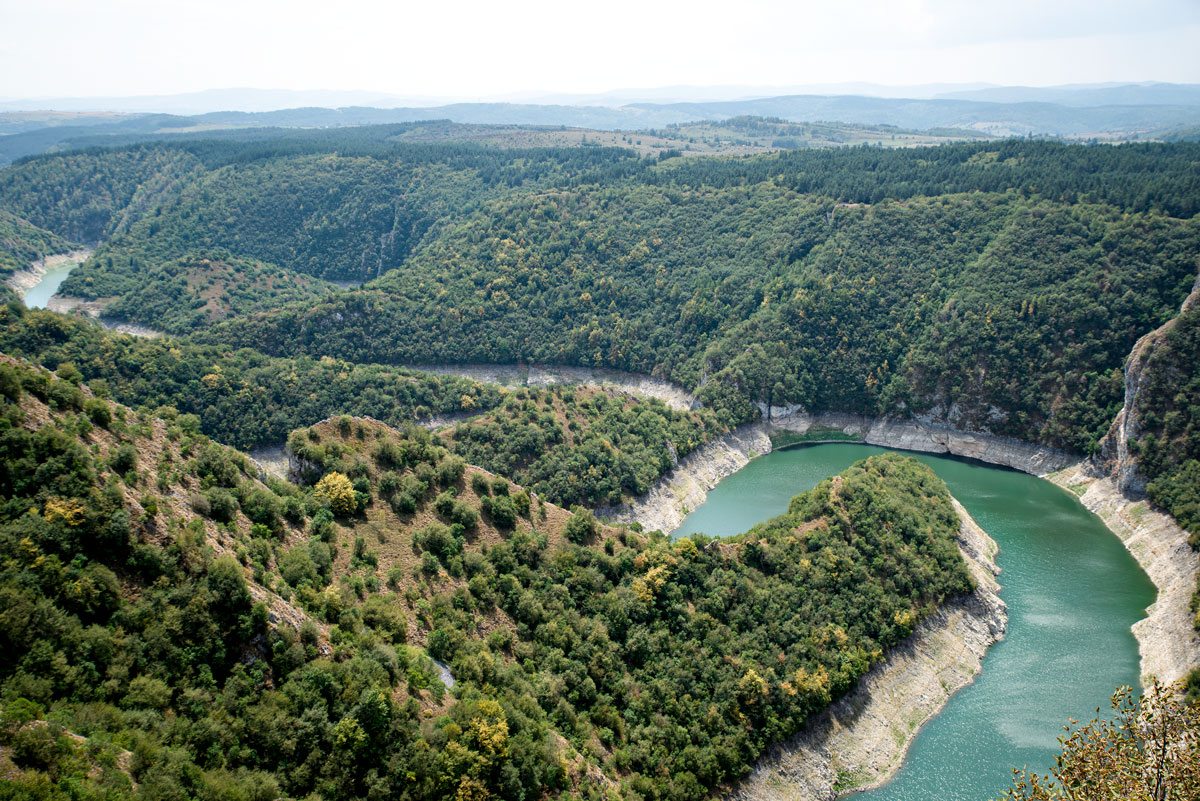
pixel 1113 457
pixel 646 386
pixel 683 489
pixel 1111 485
pixel 861 740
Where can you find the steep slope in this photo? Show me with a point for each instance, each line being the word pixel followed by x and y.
pixel 251 640
pixel 985 311
pixel 22 243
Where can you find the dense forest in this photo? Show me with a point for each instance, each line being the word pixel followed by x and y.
pixel 572 446
pixel 993 286
pixel 988 311
pixel 214 637
pixel 22 243
pixel 580 445
pixel 177 620
pixel 239 397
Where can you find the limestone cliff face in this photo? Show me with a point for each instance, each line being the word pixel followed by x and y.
pixel 930 436
pixel 1113 458
pixel 683 489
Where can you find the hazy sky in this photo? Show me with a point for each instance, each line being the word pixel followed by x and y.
pixel 478 48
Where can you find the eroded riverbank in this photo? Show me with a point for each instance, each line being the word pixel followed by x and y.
pixel 683 489
pixel 1168 643
pixel 24 281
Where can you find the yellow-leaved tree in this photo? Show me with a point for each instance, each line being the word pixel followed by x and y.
pixel 339 492
pixel 1148 751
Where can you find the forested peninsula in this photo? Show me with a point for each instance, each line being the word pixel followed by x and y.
pixel 178 623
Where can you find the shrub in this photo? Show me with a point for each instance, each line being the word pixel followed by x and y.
pixel 444 503
pixel 581 526
pixel 123 459
pixel 98 412
pixel 222 505
pixel 10 383
pixel 337 491
pixel 501 511
pixel 450 470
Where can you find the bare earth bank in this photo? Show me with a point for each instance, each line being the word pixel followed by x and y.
pixel 22 281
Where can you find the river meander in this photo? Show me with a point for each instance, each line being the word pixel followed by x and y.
pixel 39 296
pixel 1072 590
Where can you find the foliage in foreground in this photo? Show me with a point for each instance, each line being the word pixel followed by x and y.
pixel 134 654
pixel 1148 751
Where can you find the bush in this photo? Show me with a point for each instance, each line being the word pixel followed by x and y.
pixel 581 526
pixel 438 539
pixel 403 504
pixel 481 485
pixel 98 412
pixel 450 470
pixel 297 567
pixel 199 504
pixel 500 511
pixel 337 491
pixel 321 525
pixel 123 459
pixel 389 484
pixel 10 383
pixel 1149 749
pixel 464 515
pixel 444 503
pixel 222 505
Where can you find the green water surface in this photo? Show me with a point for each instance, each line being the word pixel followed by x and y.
pixel 39 296
pixel 1072 593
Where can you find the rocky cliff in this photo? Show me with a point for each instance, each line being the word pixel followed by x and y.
pixel 683 489
pixel 1114 458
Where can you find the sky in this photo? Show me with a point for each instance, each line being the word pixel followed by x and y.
pixel 474 49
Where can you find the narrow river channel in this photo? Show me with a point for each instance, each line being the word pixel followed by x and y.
pixel 1072 592
pixel 37 297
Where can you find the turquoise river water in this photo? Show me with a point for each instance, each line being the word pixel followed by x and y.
pixel 39 296
pixel 1072 592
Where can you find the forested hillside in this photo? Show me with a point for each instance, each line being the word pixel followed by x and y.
pixel 583 446
pixel 573 446
pixel 1168 415
pixel 992 286
pixel 214 637
pixel 22 243
pixel 986 310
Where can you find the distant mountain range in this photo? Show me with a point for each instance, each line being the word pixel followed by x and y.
pixel 258 100
pixel 1094 111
